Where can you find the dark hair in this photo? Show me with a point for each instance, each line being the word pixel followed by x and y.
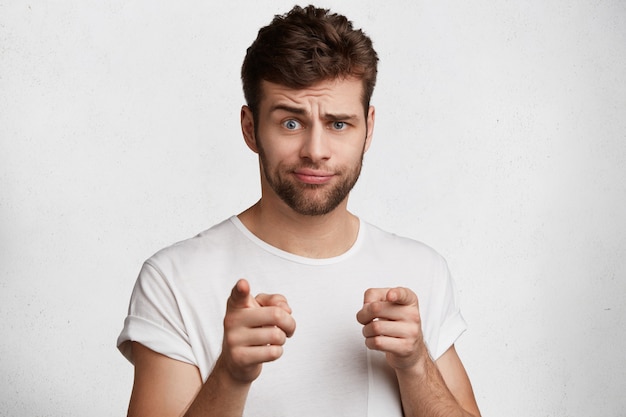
pixel 304 47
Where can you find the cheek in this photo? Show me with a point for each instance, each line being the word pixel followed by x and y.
pixel 354 151
pixel 275 155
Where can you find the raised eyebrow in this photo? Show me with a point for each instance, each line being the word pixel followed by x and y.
pixel 340 117
pixel 327 116
pixel 289 109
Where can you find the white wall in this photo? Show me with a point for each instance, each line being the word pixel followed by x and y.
pixel 500 141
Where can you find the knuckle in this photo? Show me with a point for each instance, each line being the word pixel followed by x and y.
pixel 417 319
pixel 376 327
pixel 378 342
pixel 230 321
pixel 276 314
pixel 239 356
pixel 277 298
pixel 374 342
pixel 277 337
pixel 416 331
pixel 274 352
pixel 376 308
pixel 230 339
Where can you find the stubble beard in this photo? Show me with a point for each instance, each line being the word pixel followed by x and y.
pixel 310 199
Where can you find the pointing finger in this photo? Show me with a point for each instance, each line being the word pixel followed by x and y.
pixel 401 296
pixel 240 295
pixel 274 300
pixel 375 294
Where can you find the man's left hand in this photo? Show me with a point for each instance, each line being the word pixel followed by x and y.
pixel 392 324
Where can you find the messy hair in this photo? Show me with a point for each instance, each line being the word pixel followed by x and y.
pixel 306 46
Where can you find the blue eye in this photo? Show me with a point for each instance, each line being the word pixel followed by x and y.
pixel 291 124
pixel 339 125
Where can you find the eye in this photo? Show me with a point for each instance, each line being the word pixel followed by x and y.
pixel 339 125
pixel 292 124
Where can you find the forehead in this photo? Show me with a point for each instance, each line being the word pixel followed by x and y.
pixel 339 93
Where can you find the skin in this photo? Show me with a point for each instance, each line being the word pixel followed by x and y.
pixel 315 157
pixel 392 324
pixel 310 142
pixel 255 329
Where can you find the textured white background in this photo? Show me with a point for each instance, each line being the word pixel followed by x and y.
pixel 500 141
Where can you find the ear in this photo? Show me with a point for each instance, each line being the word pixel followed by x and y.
pixel 247 128
pixel 370 127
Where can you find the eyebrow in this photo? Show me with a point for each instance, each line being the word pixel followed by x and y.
pixel 301 111
pixel 289 109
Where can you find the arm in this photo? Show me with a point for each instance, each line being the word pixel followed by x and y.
pixel 155 375
pixel 392 324
pixel 167 387
pixel 255 328
pixel 441 388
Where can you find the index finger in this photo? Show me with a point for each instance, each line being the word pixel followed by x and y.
pixel 240 295
pixel 276 300
pixel 375 294
pixel 401 296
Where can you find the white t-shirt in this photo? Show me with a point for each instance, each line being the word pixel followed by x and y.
pixel 178 304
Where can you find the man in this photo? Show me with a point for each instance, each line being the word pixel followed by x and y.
pixel 204 345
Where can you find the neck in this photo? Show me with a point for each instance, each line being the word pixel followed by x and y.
pixel 310 236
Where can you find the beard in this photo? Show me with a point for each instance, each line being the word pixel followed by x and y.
pixel 310 199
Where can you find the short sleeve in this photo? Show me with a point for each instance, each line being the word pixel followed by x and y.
pixel 154 318
pixel 451 322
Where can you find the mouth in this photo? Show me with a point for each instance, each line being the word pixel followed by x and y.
pixel 312 176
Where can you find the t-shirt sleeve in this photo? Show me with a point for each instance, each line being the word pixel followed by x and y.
pixel 154 318
pixel 451 322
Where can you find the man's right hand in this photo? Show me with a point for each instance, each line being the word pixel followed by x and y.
pixel 255 330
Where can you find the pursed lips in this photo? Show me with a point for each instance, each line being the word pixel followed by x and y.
pixel 312 176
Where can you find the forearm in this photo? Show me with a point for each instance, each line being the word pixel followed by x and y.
pixel 425 394
pixel 220 396
pixel 255 329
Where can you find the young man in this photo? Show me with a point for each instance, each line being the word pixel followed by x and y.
pixel 204 345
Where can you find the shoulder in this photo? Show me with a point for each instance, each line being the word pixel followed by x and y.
pixel 211 243
pixel 390 243
pixel 402 261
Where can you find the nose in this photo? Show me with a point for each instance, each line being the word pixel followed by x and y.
pixel 316 144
